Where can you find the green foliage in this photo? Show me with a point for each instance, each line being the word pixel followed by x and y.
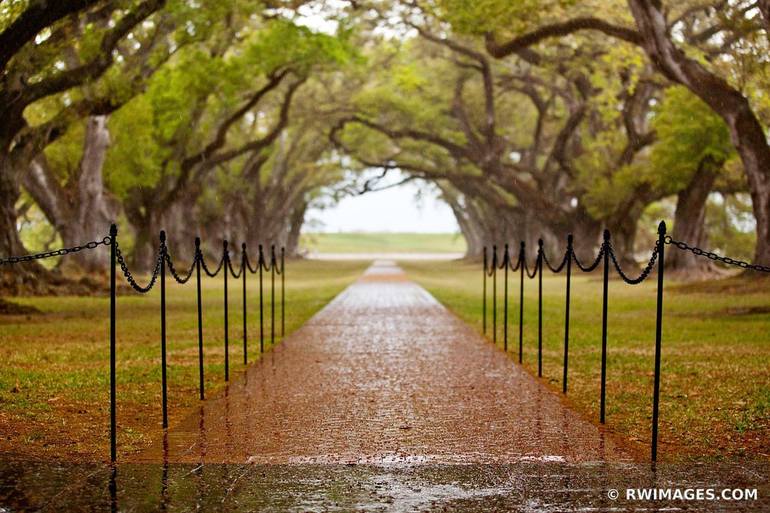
pixel 688 132
pixel 482 16
pixel 134 158
pixel 282 43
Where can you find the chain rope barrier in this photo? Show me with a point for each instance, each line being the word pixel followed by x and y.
pixel 232 269
pixel 130 278
pixel 645 272
pixel 179 278
pixel 594 265
pixel 56 252
pixel 526 267
pixel 715 257
pixel 252 270
pixel 208 271
pixel 558 269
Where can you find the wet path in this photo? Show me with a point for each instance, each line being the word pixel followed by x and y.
pixel 385 374
pixel 425 415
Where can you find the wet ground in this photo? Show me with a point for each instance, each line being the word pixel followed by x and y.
pixel 384 401
pixel 524 486
pixel 385 374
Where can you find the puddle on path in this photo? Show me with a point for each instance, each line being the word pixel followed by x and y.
pixel 525 486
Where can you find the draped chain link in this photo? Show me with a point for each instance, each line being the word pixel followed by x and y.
pixel 558 268
pixel 715 257
pixel 232 269
pixel 252 270
pixel 206 269
pixel 538 265
pixel 56 253
pixel 130 278
pixel 645 272
pixel 179 278
pixel 594 265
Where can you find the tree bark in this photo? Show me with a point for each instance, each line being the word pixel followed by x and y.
pixel 295 229
pixel 80 211
pixel 746 132
pixel 689 223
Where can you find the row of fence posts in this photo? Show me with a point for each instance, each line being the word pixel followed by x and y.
pixel 606 256
pixel 165 263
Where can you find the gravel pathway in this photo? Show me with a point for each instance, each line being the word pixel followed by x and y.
pixel 385 374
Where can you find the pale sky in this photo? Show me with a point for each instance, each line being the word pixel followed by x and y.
pixel 390 210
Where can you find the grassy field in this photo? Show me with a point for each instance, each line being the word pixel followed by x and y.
pixel 383 242
pixel 54 379
pixel 715 398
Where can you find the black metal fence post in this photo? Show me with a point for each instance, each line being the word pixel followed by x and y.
pixel 566 312
pixel 113 299
pixel 605 291
pixel 226 257
pixel 506 261
pixel 484 295
pixel 283 290
pixel 272 295
pixel 539 270
pixel 658 337
pixel 245 317
pixel 261 303
pixel 522 260
pixel 494 295
pixel 163 327
pixel 198 257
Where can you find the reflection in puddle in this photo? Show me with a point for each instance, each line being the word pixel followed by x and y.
pixel 524 486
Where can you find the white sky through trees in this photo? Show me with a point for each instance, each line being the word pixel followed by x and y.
pixel 390 210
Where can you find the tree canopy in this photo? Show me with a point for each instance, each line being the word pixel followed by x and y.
pixel 532 118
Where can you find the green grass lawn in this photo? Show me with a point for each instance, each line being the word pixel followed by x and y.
pixel 383 242
pixel 715 397
pixel 54 381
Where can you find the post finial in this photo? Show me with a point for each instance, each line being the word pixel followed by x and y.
pixel 197 242
pixel 243 247
pixel 163 235
pixel 662 228
pixel 606 234
pixel 113 230
pixel 569 240
pixel 540 242
pixel 523 244
pixel 224 243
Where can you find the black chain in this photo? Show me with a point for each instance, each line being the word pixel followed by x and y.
pixel 130 278
pixel 231 269
pixel 252 270
pixel 173 271
pixel 263 263
pixel 645 272
pixel 55 253
pixel 206 267
pixel 558 269
pixel 518 263
pixel 594 265
pixel 713 256
pixel 538 265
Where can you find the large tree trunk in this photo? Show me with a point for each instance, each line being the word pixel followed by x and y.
pixel 26 278
pixel 93 209
pixel 10 242
pixel 79 211
pixel 746 132
pixel 689 223
pixel 295 229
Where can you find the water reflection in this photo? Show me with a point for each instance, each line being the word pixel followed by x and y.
pixel 528 486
